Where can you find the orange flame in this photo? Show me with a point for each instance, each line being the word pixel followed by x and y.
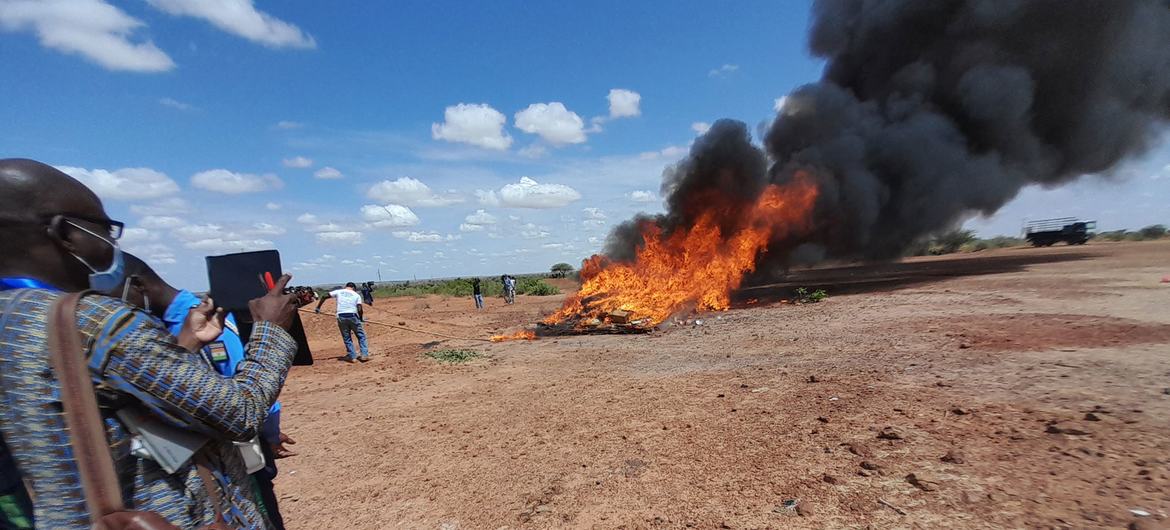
pixel 694 268
pixel 519 335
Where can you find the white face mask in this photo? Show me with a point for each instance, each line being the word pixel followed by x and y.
pixel 103 281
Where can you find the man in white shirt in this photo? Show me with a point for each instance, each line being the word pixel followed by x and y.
pixel 349 320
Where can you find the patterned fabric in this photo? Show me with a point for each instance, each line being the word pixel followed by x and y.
pixel 134 361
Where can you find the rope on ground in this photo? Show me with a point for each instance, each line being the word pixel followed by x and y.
pixel 404 328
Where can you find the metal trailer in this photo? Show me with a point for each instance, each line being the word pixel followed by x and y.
pixel 1046 232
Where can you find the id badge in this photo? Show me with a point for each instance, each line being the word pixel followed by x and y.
pixel 217 352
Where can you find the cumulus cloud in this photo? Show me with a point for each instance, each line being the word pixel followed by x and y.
pixel 700 127
pixel 642 196
pixel 93 29
pixel 409 191
pixel 160 222
pixel 307 219
pixel 136 235
pixel 265 229
pixel 230 182
pixel 389 216
pixel 594 213
pixel 424 237
pixel 478 221
pixel 167 206
pixel 328 173
pixel 175 104
pixel 345 237
pixel 272 206
pixel 128 184
pixel 241 18
pixel 153 253
pixel 553 122
pixel 465 227
pixel 669 153
pixel 476 124
pixel 722 71
pixel 624 103
pixel 529 193
pixel 532 231
pixel 214 238
pixel 297 162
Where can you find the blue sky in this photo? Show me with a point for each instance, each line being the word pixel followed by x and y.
pixel 419 138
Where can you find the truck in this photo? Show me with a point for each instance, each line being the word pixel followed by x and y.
pixel 1046 232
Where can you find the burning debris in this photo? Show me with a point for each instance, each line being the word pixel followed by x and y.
pixel 928 113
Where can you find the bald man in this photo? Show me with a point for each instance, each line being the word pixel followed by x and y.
pixel 56 237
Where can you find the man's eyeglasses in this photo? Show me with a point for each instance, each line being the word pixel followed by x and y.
pixel 115 227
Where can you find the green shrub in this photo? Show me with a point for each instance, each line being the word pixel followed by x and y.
pixel 1153 232
pixel 805 297
pixel 452 356
pixel 535 287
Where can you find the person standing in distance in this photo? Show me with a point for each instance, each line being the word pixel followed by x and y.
pixel 477 293
pixel 349 320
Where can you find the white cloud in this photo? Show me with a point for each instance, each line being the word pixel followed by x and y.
pixel 224 181
pixel 265 229
pixel 419 237
pixel 409 191
pixel 532 231
pixel 175 104
pixel 272 206
pixel 307 219
pixel 129 184
pixel 464 227
pixel 594 213
pixel 215 238
pixel 624 103
pixel 778 105
pixel 529 194
pixel 347 237
pixel 700 127
pixel 153 253
pixel 167 206
pixel 642 196
pixel 669 153
pixel 297 162
pixel 533 151
pixel 328 173
pixel 553 122
pixel 390 215
pixel 288 125
pixel 475 124
pixel 92 29
pixel 240 17
pixel 161 222
pixel 481 217
pixel 722 71
pixel 133 236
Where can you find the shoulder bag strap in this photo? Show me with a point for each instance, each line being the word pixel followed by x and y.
pixel 87 434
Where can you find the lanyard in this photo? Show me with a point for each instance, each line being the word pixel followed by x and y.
pixel 24 283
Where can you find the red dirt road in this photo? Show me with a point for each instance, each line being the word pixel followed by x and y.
pixel 1014 388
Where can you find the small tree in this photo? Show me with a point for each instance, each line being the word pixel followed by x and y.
pixel 560 270
pixel 1153 232
pixel 951 241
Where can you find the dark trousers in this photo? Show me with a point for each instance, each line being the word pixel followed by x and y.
pixel 266 489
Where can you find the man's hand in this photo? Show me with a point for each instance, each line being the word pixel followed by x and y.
pixel 204 323
pixel 279 450
pixel 275 307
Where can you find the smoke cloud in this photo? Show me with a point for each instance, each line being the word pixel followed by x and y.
pixel 931 112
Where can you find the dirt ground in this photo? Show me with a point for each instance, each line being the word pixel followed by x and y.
pixel 1012 388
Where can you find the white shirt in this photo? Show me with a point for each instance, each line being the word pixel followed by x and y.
pixel 347 300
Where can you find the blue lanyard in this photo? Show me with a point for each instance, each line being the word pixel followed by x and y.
pixel 24 283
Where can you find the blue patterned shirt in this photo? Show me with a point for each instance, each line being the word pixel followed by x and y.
pixel 134 361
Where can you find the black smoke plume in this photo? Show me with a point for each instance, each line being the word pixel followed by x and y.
pixel 930 112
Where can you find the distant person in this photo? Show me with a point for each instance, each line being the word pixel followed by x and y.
pixel 145 289
pixel 477 293
pixel 349 320
pixel 56 238
pixel 510 289
pixel 504 286
pixel 367 292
